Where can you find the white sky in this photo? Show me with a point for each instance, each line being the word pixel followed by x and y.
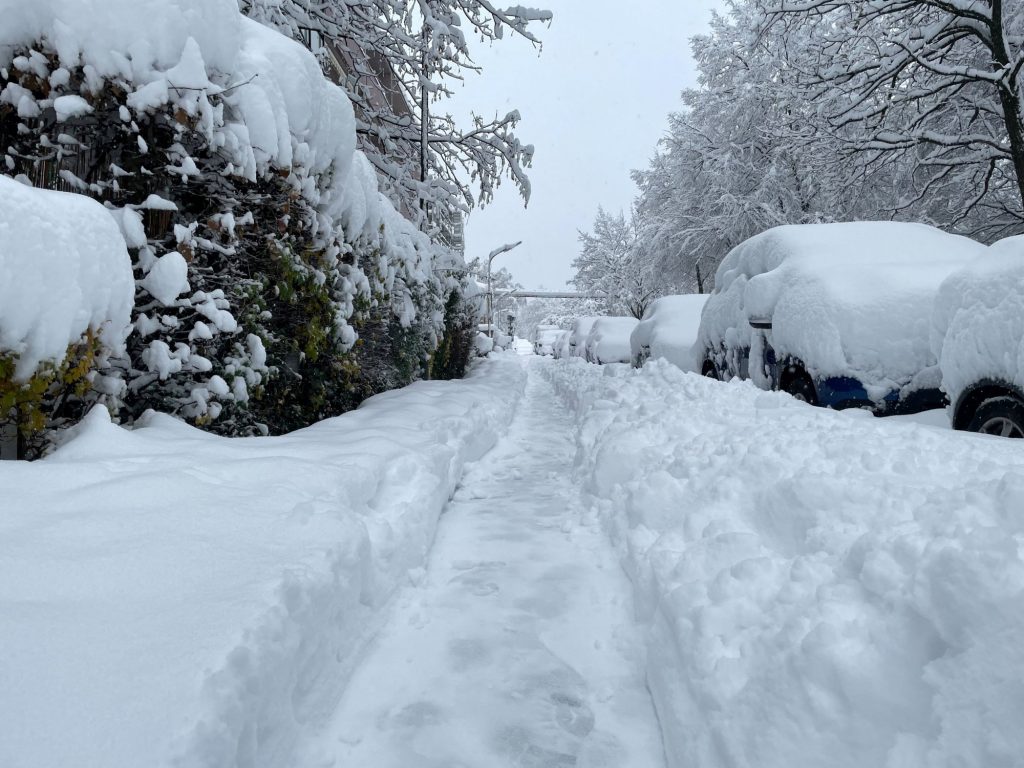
pixel 594 103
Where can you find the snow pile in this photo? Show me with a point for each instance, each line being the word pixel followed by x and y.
pixel 669 330
pixel 850 299
pixel 608 340
pixel 822 588
pixel 978 325
pixel 64 270
pixel 173 597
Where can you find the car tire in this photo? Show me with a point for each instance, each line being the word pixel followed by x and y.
pixel 799 385
pixel 1002 416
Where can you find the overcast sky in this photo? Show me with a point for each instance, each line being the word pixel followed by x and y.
pixel 594 103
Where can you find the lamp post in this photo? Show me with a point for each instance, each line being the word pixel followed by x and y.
pixel 490 292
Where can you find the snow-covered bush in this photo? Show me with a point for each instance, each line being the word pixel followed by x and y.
pixel 845 300
pixel 65 300
pixel 259 240
pixel 669 330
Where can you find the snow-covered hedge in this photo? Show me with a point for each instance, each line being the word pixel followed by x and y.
pixel 978 325
pixel 64 271
pixel 171 597
pixel 669 330
pixel 261 245
pixel 66 293
pixel 851 299
pixel 821 588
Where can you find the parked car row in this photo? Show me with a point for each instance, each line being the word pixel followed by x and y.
pixel 887 316
pixel 596 339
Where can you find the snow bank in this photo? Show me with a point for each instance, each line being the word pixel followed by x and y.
pixel 669 330
pixel 850 299
pixel 172 597
pixel 64 269
pixel 978 325
pixel 608 340
pixel 821 588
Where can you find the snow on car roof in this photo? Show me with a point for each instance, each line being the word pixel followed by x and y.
pixel 849 299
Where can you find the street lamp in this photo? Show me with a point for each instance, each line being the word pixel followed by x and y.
pixel 490 293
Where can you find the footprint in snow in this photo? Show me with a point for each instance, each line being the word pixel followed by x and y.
pixel 573 714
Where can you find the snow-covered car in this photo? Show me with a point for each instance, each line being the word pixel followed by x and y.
pixel 837 315
pixel 608 340
pixel 578 336
pixel 562 345
pixel 978 336
pixel 669 330
pixel 544 340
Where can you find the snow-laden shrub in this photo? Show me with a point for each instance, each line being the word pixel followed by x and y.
pixel 65 301
pixel 258 237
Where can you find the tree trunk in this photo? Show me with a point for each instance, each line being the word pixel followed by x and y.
pixel 1009 97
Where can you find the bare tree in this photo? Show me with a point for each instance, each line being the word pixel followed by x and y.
pixel 935 83
pixel 400 58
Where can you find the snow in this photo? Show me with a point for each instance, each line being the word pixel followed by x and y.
pixel 64 269
pixel 173 597
pixel 978 324
pixel 545 339
pixel 669 330
pixel 819 588
pixel 578 340
pixel 167 278
pixel 259 97
pixel 608 340
pixel 517 645
pixel 68 107
pixel 561 346
pixel 851 299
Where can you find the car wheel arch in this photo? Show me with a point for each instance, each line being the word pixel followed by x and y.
pixel 979 393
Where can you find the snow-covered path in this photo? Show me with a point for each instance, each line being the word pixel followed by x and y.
pixel 518 647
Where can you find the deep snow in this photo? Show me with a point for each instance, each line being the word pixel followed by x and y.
pixel 173 597
pixel 820 588
pixel 518 648
pixel 802 587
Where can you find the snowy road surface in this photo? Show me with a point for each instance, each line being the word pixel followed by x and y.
pixel 519 647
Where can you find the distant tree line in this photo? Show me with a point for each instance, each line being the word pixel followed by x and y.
pixel 828 110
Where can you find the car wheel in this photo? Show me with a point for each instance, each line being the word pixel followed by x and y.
pixel 798 384
pixel 1002 416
